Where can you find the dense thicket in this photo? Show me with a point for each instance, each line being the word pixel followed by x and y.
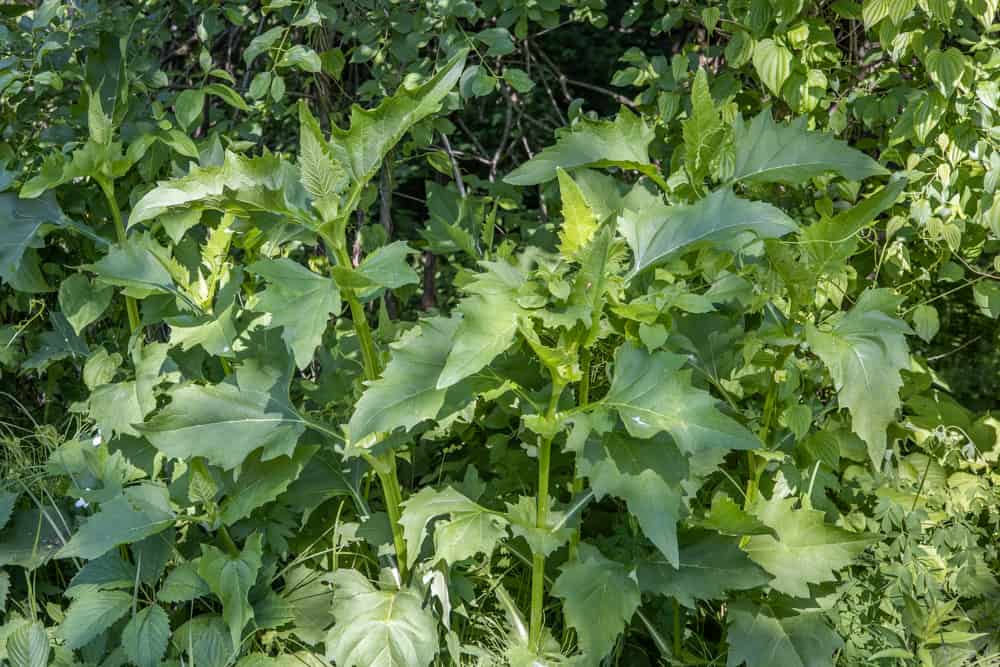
pixel 517 332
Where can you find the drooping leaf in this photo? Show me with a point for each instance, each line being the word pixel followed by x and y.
pixel 225 422
pixel 30 538
pixel 82 302
pixel 29 646
pixel 657 233
pixel 768 152
pixel 230 577
pixel 240 185
pixel 145 637
pixel 806 550
pixel 652 394
pixel 709 565
pixel 728 518
pixel 90 615
pixel 865 350
pixel 623 142
pixel 142 510
pixel 298 301
pixel 758 637
pixel 376 628
pixel 110 571
pixel 647 475
pixel 21 222
pixel 133 266
pixel 599 599
pixel 260 482
pixel 386 268
pixel 488 326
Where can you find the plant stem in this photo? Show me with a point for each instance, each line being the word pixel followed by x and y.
pixel 678 637
pixel 541 522
pixel 384 465
pixel 108 188
pixel 582 400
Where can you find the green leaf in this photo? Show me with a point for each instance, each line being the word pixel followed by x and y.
pixel 21 221
pixel 298 301
pixel 647 474
pixel 865 350
pixel 386 268
pixel 322 176
pixel 471 529
pixel 230 577
pixel 523 517
pixel 703 131
pixel 709 565
pixel 4 590
pixel 7 501
pixel 260 482
pixel 806 550
pixel 374 132
pixel 377 628
pixel 30 539
pixel 225 422
pixel 132 265
pixel 657 233
pixel 116 407
pixel 205 641
pixel 728 518
pixel 301 57
pixel 141 511
pixel 407 392
pixel 227 95
pixel 518 79
pixel 145 637
pixel 188 106
pixel 183 584
pixel 579 221
pixel 90 615
pixel 623 142
pixel 652 394
pixel 767 152
pixel 760 638
pixel 261 43
pixel 925 322
pixel 28 646
pixel 599 599
pixel 81 302
pixel 773 63
pixel 240 185
pixel 489 323
pixel 945 69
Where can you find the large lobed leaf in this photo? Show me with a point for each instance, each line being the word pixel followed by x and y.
pixel 376 628
pixel 865 350
pixel 659 232
pixel 652 394
pixel 623 142
pixel 758 637
pixel 768 152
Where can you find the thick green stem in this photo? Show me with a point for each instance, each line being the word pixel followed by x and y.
pixel 384 465
pixel 108 188
pixel 542 522
pixel 582 400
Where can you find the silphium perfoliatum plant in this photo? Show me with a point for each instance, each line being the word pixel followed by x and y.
pixel 674 354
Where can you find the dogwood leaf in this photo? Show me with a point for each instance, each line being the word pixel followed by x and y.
pixel 806 550
pixel 768 152
pixel 599 599
pixel 652 394
pixel 865 350
pixel 376 628
pixel 657 233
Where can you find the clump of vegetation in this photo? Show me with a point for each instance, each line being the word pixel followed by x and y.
pixel 408 334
